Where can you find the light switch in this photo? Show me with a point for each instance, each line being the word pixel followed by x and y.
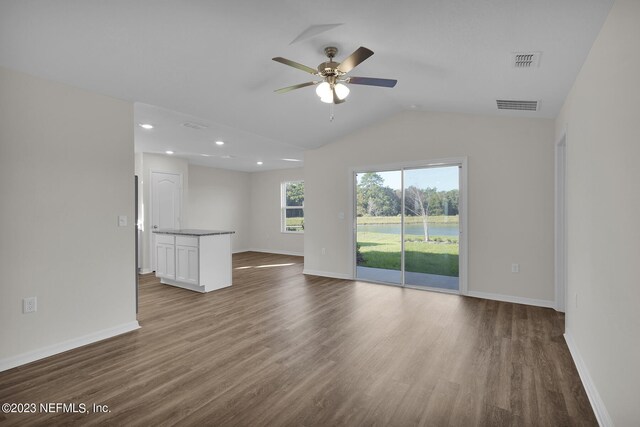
pixel 340 215
pixel 122 221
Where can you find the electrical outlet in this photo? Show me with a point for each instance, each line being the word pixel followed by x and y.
pixel 30 305
pixel 515 268
pixel 122 220
pixel 324 251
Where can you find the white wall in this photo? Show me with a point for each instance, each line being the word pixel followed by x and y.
pixel 220 199
pixel 510 170
pixel 603 203
pixel 266 235
pixel 66 173
pixel 158 163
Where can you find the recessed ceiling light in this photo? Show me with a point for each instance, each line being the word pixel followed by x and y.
pixel 169 152
pixel 146 126
pixel 259 163
pixel 292 160
pixel 205 155
pixel 219 142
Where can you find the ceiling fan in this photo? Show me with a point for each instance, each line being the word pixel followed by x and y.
pixel 332 89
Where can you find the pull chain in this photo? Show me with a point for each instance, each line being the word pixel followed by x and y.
pixel 331 110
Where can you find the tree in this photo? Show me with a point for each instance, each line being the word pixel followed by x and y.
pixel 417 204
pixel 295 194
pixel 434 201
pixel 452 198
pixel 374 199
pixel 439 202
pixel 371 180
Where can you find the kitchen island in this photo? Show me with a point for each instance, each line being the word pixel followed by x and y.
pixel 198 260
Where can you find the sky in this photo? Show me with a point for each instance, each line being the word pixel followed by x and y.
pixel 444 178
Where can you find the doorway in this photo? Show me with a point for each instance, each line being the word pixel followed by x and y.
pixel 408 224
pixel 166 206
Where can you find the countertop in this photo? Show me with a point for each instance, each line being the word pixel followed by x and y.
pixel 193 232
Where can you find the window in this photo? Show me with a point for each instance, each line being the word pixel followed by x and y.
pixel 292 203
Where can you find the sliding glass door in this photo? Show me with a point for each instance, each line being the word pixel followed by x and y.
pixel 407 226
pixel 431 227
pixel 379 234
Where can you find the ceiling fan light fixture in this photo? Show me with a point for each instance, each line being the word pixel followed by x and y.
pixel 326 94
pixel 342 91
pixel 324 90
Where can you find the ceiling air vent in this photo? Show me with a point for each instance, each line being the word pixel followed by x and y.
pixel 517 105
pixel 526 59
pixel 196 126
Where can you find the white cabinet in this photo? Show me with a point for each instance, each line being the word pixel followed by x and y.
pixel 199 263
pixel 165 260
pixel 187 264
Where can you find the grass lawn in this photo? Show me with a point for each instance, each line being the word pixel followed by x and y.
pixel 367 220
pixel 382 250
pixel 294 224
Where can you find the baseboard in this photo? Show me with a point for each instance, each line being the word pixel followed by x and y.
pixel 278 252
pixel 513 299
pixel 327 274
pixel 602 415
pixel 145 271
pixel 237 251
pixel 32 356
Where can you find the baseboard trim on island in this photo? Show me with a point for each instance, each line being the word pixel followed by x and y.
pixel 41 353
pixel 188 286
pixel 191 287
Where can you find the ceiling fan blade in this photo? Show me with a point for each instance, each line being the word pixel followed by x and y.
pixel 372 81
pixel 290 88
pixel 361 54
pixel 337 100
pixel 297 65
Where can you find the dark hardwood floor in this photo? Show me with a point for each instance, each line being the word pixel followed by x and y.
pixel 279 348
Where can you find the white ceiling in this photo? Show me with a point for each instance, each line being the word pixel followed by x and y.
pixel 211 62
pixel 241 150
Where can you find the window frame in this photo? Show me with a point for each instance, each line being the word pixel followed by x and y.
pixel 284 207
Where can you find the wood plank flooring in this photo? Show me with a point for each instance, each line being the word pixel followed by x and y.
pixel 281 349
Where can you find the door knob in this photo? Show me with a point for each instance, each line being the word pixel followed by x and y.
pixel 155 227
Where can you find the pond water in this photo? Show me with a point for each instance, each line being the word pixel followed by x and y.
pixel 438 229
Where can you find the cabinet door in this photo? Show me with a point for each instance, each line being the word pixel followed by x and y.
pixel 187 264
pixel 165 261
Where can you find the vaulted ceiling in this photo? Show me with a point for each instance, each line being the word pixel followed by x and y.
pixel 209 62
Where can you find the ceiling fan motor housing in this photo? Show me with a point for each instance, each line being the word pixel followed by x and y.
pixel 329 68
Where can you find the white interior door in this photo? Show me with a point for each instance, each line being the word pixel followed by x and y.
pixel 166 205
